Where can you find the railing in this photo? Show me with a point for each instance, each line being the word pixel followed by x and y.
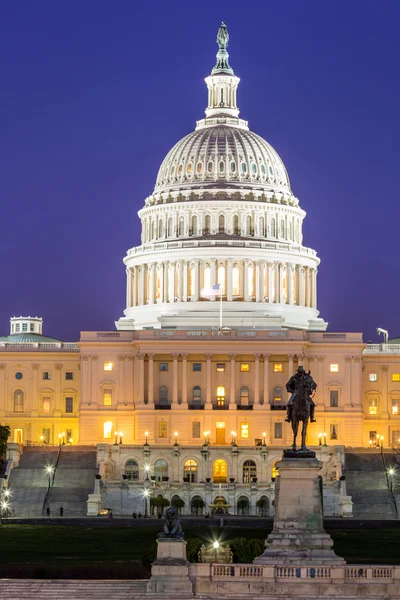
pixel 162 406
pixel 382 348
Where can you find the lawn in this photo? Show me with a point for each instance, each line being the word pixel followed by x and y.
pixel 116 552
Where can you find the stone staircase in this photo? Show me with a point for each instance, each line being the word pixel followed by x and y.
pixel 73 481
pixel 367 484
pixel 32 589
pixel 29 481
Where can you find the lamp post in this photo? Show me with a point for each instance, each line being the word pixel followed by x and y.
pixel 320 439
pixel 146 433
pixel 115 438
pixel 391 473
pixel 59 439
pixel 264 435
pixel 49 470
pixel 120 437
pixel 216 546
pixel 147 469
pixel 146 495
pixel 377 440
pixel 233 439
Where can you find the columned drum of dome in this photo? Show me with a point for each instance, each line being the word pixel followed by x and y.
pixel 222 212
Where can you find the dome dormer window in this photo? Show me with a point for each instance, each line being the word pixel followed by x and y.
pixel 199 167
pixel 221 166
pixel 244 168
pixel 189 168
pixel 254 168
pixel 233 167
pixel 210 167
pixel 263 169
pixel 180 169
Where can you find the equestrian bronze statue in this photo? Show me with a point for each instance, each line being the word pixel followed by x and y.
pixel 301 406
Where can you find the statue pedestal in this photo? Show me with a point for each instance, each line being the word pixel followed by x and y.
pixel 298 534
pixel 170 570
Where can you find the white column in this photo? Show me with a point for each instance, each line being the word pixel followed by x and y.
pixel 185 281
pixel 279 280
pixel 270 282
pixel 289 282
pixel 258 281
pixel 121 379
pixel 314 288
pixel 175 379
pixel 301 285
pixel 196 279
pixel 264 292
pixel 180 281
pixel 266 381
pixel 277 283
pixel 160 269
pixel 165 268
pixel 308 291
pixel 135 285
pixel 257 379
pixel 184 380
pixel 232 391
pixel 246 279
pixel 94 379
pixel 229 280
pixel 128 288
pixel 152 277
pixel 141 285
pixel 172 282
pixel 213 275
pixel 150 382
pixel 208 380
pixel 141 379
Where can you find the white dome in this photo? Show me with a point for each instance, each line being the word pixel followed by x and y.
pixel 223 155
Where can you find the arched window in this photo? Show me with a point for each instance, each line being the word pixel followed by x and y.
pixel 249 471
pixel 170 227
pixel 221 278
pixel 248 225
pixel 19 401
pixel 275 471
pixel 181 227
pixel 220 395
pixel 243 505
pixel 277 394
pixel 207 224
pixel 220 471
pixel 196 395
pixel 193 229
pixel 244 395
pixel 190 471
pixel 235 224
pixel 132 470
pixel 207 277
pixel 235 281
pixel 221 224
pixel 273 229
pixel 163 396
pixel 261 227
pixel 160 229
pixel 161 470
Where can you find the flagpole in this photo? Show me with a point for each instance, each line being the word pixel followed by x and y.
pixel 220 307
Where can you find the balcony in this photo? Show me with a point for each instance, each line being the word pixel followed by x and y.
pixel 244 407
pixel 280 406
pixel 217 406
pixel 161 406
pixel 195 406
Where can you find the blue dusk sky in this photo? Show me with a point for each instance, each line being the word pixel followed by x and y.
pixel 94 93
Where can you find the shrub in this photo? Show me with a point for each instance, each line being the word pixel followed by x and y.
pixel 246 550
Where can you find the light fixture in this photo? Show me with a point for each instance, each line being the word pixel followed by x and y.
pixel 391 471
pixel 216 545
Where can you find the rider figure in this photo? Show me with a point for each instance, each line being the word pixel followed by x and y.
pixel 303 379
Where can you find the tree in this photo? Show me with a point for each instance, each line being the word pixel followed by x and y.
pixel 4 435
pixel 178 503
pixel 261 505
pixel 197 504
pixel 243 504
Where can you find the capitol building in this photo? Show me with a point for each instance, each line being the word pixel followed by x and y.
pixel 186 397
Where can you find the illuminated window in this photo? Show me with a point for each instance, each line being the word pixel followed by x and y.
pixel 220 395
pixel 107 397
pixel 191 281
pixel 46 405
pixel 161 470
pixel 196 396
pixel 278 367
pixel 221 278
pixel 275 471
pixel 132 470
pixel 18 401
pixel 373 377
pixel 220 471
pixel 162 429
pixel 334 368
pixel 107 430
pixel 18 434
pixel 244 367
pixel 207 277
pixel 333 428
pixel 277 393
pixel 244 431
pixel 395 407
pixel 235 282
pixel 373 406
pixel 220 367
pixel 250 275
pixel 334 398
pixel 396 438
pixel 190 471
pixel 395 376
pixel 278 430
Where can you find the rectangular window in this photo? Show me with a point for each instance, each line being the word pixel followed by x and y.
pixel 46 375
pixel 107 397
pixel 163 366
pixel 196 429
pixel 46 436
pixel 25 327
pixel 372 436
pixel 162 429
pixel 220 367
pixel 244 367
pixel 395 376
pixel 17 329
pixel 373 377
pixel 395 407
pixel 373 406
pixel 107 430
pixel 69 405
pixel 196 366
pixel 334 368
pixel 334 398
pixel 46 405
pixel 396 438
pixel 244 431
pixel 278 429
pixel 68 436
pixel 69 375
pixel 333 431
pixel 278 367
pixel 108 366
pixel 32 327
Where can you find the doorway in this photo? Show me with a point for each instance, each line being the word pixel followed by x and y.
pixel 220 433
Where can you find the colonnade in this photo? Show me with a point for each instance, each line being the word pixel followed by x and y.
pixel 247 280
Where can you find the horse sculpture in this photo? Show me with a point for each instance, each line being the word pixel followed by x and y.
pixel 300 406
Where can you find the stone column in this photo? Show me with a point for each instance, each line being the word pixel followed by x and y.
pixel 257 380
pixel 134 284
pixel 208 381
pixel 141 378
pixel 290 283
pixel 59 367
pixel 94 377
pixel 172 282
pixel 266 382
pixel 213 275
pixel 85 397
pixel 314 288
pixel 258 281
pixel 180 280
pixel 270 282
pixel 184 402
pixel 185 281
pixel 278 289
pixel 150 382
pixel 308 290
pixel 160 270
pixel 264 292
pixel 131 396
pixel 175 379
pixel 151 274
pixel 165 281
pixel 196 280
pixel 232 391
pixel 301 301
pixel 246 279
pixel 229 280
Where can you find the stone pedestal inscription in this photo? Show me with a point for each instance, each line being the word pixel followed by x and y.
pixel 298 534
